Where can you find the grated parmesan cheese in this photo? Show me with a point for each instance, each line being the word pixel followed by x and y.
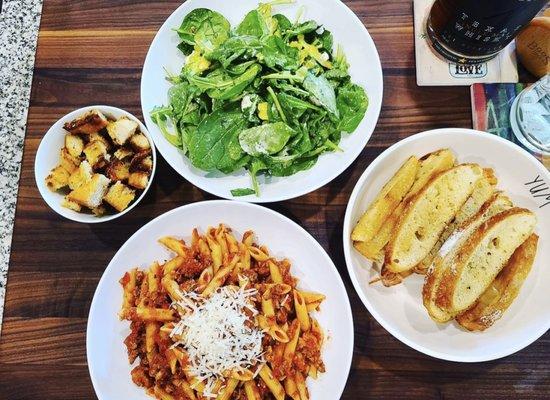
pixel 213 333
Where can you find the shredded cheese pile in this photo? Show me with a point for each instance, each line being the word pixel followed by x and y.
pixel 213 333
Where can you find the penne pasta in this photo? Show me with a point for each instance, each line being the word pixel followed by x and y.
pixel 226 392
pixel 278 333
pixel 311 297
pixel 290 388
pixel 173 244
pixel 301 311
pixel 272 384
pixel 216 252
pixel 219 278
pixel 251 391
pixel 301 384
pixel 275 273
pixel 258 254
pixel 294 333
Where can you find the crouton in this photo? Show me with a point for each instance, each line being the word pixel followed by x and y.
pixel 71 205
pixel 99 210
pixel 119 196
pixel 82 175
pixel 92 121
pixel 121 130
pixel 58 178
pixel 102 138
pixel 117 170
pixel 147 163
pixel 90 193
pixel 138 179
pixel 123 152
pixel 141 162
pixel 69 162
pixel 139 142
pixel 96 152
pixel 74 145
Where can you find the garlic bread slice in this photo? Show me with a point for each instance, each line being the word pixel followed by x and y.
pixel 386 201
pixel 498 203
pixel 481 257
pixel 427 214
pixel 503 290
pixel 483 190
pixel 430 165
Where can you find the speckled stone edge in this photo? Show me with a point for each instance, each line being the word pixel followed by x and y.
pixel 19 24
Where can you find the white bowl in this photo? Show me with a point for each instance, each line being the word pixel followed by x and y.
pixel 365 70
pixel 47 158
pixel 106 352
pixel 399 309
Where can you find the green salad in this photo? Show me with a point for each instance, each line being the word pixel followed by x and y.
pixel 268 95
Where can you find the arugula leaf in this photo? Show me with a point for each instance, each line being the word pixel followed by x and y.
pixel 301 29
pixel 228 89
pixel 352 103
pixel 320 88
pixel 265 139
pixel 215 144
pixel 161 116
pixel 242 46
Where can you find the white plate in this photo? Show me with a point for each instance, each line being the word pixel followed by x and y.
pixel 399 309
pixel 47 158
pixel 107 357
pixel 365 70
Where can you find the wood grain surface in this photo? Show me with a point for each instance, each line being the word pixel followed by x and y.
pixel 91 52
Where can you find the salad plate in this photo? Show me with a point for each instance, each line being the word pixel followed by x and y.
pixel 164 59
pixel 399 309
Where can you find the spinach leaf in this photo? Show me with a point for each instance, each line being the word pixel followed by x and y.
pixel 253 24
pixel 283 23
pixel 242 192
pixel 204 28
pixel 258 22
pixel 265 139
pixel 276 53
pixel 215 144
pixel 320 88
pixel 352 104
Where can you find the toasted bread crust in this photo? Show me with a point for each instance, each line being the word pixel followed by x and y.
pixel 497 203
pixel 410 208
pixel 504 289
pixel 451 276
pixel 92 122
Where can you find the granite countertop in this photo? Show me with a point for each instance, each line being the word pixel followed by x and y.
pixel 19 23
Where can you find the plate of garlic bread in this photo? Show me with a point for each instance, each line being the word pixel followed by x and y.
pixel 444 239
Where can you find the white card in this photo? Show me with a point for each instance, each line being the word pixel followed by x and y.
pixel 431 70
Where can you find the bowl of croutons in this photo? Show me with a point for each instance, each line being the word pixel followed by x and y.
pixel 95 164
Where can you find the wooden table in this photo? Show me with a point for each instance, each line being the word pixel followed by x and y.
pixel 91 52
